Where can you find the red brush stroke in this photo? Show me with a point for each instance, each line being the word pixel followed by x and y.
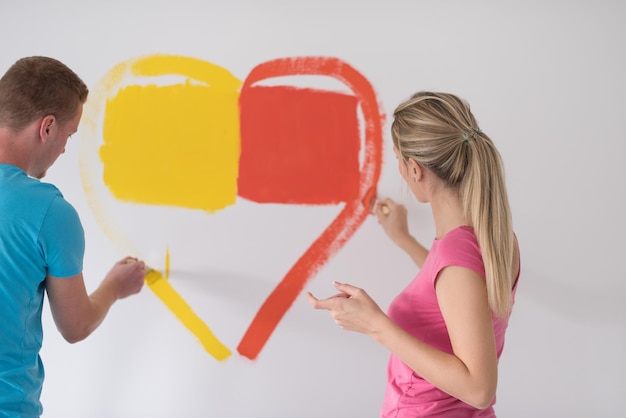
pixel 351 216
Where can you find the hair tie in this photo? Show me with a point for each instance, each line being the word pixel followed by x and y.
pixel 470 133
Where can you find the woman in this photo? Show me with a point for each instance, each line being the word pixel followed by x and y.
pixel 445 331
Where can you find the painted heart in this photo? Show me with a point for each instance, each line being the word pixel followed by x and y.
pixel 171 131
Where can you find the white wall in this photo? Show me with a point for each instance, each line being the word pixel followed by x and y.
pixel 545 80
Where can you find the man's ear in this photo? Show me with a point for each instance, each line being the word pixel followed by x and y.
pixel 45 128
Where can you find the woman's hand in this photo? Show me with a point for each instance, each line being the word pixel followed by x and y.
pixel 393 218
pixel 352 309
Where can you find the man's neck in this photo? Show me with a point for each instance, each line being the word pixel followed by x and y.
pixel 13 148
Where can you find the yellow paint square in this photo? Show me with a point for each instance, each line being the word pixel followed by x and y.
pixel 173 145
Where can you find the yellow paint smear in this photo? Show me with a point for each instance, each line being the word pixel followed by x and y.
pixel 176 144
pixel 168 295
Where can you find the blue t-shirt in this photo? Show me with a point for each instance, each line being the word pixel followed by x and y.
pixel 40 234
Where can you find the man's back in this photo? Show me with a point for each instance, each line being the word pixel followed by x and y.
pixel 38 231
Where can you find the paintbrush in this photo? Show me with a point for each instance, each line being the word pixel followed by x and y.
pixel 370 200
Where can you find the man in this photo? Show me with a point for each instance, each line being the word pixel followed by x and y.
pixel 41 237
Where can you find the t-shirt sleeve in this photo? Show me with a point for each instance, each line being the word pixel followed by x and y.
pixel 461 249
pixel 62 239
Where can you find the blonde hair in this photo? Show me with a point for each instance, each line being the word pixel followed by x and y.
pixel 439 132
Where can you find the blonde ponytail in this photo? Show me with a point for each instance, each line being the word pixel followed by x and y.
pixel 485 202
pixel 440 133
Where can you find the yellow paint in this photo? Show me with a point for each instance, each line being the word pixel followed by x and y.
pixel 166 293
pixel 202 155
pixel 90 166
pixel 175 144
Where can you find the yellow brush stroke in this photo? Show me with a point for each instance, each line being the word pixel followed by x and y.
pixel 90 165
pixel 193 68
pixel 167 262
pixel 174 144
pixel 166 293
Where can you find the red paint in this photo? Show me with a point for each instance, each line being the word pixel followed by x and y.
pixel 298 146
pixel 353 213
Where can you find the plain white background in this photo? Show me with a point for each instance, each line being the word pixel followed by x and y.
pixel 546 82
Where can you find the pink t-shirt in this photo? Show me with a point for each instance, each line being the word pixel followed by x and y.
pixel 416 310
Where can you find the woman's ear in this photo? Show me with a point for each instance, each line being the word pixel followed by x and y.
pixel 415 170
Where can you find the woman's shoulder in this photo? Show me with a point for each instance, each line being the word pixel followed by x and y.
pixel 461 235
pixel 460 247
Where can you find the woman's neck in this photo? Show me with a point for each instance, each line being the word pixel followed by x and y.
pixel 447 209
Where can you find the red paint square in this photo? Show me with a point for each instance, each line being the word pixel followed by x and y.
pixel 298 146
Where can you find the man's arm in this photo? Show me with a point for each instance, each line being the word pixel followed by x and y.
pixel 76 313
